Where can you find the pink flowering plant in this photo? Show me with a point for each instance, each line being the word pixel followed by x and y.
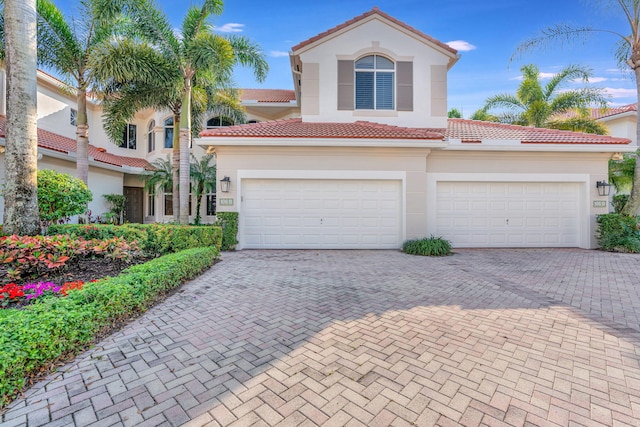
pixel 13 295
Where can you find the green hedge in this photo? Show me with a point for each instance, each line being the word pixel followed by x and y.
pixel 618 233
pixel 155 239
pixel 228 221
pixel 36 336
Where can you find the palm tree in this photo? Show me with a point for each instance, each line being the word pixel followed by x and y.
pixel 21 165
pixel 627 54
pixel 200 58
pixel 160 177
pixel 542 106
pixel 65 46
pixel 203 176
pixel 483 115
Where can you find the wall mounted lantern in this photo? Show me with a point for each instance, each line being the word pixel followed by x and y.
pixel 225 184
pixel 604 188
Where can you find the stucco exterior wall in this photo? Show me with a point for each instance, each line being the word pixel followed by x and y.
pixel 421 169
pixel 586 168
pixel 333 163
pixel 624 127
pixel 319 89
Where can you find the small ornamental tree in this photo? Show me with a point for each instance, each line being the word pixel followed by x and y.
pixel 60 196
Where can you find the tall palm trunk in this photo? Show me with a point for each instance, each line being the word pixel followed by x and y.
pixel 631 208
pixel 21 157
pixel 175 167
pixel 82 138
pixel 185 138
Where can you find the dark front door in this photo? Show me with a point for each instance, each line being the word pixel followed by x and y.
pixel 134 204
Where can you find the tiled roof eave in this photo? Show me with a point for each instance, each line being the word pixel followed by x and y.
pixel 320 142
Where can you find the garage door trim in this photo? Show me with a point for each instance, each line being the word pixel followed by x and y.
pixel 434 178
pixel 323 175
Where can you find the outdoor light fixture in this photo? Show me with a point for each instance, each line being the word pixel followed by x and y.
pixel 604 188
pixel 225 184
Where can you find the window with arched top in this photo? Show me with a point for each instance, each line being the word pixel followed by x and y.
pixel 168 133
pixel 218 122
pixel 151 136
pixel 375 83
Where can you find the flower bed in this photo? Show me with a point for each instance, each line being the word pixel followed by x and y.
pixel 67 325
pixel 14 296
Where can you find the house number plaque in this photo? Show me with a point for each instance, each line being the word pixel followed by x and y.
pixel 226 202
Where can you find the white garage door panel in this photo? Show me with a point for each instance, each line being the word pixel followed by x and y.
pixel 509 214
pixel 321 214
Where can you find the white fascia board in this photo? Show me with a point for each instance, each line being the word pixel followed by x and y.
pixel 617 116
pixel 583 148
pixel 321 142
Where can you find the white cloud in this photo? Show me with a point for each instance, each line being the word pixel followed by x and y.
pixel 621 93
pixel 592 80
pixel 543 76
pixel 278 53
pixel 461 45
pixel 231 27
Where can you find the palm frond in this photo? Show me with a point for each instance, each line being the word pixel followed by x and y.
pixel 58 47
pixel 579 124
pixel 567 74
pixel 558 36
pixel 249 54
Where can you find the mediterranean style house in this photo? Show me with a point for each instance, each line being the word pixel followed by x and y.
pixel 359 155
pixel 373 160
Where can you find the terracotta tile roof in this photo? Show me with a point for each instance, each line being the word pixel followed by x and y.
pixel 469 131
pixel 597 113
pixel 476 131
pixel 296 128
pixel 374 11
pixel 62 144
pixel 268 95
pixel 600 113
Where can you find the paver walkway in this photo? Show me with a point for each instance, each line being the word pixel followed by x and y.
pixel 375 338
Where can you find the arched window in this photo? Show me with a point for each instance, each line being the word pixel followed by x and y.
pixel 375 83
pixel 219 121
pixel 151 136
pixel 168 133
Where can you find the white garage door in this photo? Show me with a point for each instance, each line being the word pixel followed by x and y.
pixel 321 214
pixel 509 214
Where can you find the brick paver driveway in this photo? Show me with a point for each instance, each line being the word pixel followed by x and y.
pixel 484 337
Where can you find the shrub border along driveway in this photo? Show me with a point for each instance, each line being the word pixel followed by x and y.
pixel 484 337
pixel 34 338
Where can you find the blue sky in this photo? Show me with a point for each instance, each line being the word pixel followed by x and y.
pixel 489 32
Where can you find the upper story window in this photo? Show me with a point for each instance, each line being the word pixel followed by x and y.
pixel 151 136
pixel 219 121
pixel 129 137
pixel 375 83
pixel 73 117
pixel 168 133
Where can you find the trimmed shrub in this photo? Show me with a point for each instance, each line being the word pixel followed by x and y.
pixel 154 239
pixel 33 338
pixel 618 202
pixel 228 221
pixel 60 195
pixel 428 246
pixel 618 233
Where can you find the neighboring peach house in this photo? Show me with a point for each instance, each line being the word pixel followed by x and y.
pixel 372 160
pixel 621 121
pixel 360 154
